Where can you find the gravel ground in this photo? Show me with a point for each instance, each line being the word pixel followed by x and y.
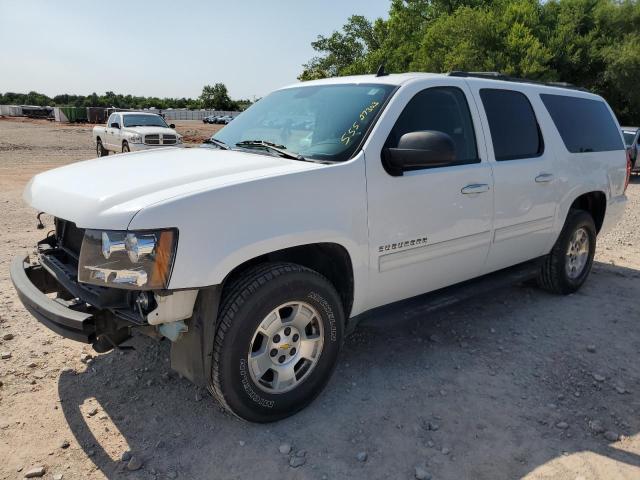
pixel 519 385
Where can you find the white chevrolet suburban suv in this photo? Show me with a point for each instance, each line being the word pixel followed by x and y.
pixel 323 202
pixel 134 131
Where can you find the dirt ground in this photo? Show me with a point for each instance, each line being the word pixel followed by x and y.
pixel 521 384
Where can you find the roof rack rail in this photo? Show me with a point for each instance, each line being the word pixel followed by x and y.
pixel 508 78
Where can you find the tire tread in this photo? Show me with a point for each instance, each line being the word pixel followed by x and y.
pixel 234 295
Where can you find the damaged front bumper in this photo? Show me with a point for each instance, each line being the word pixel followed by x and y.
pixel 47 286
pixel 33 283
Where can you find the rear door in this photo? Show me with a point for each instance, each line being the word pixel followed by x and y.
pixel 526 192
pixel 429 227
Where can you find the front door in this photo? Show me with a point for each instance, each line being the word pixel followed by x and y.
pixel 113 134
pixel 431 227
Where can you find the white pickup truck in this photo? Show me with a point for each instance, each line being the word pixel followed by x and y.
pixel 134 131
pixel 321 203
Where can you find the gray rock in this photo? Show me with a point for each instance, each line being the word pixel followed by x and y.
pixel 599 378
pixel 621 390
pixel 596 427
pixel 295 462
pixel 301 453
pixel 172 475
pixel 57 476
pixel 126 456
pixel 362 456
pixel 35 472
pixel 445 451
pixel 611 436
pixel 422 474
pixel 285 448
pixel 562 425
pixel 5 355
pixel 92 412
pixel 7 336
pixel 242 443
pixel 64 444
pixel 591 348
pixel 85 358
pixel 134 464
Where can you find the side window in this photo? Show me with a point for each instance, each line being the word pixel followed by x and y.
pixel 442 109
pixel 585 125
pixel 514 129
pixel 110 120
pixel 116 118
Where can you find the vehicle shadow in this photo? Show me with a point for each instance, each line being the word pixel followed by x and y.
pixel 493 388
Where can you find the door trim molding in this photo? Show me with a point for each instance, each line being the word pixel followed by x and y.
pixel 428 252
pixel 524 228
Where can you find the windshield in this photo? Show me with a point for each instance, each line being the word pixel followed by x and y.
pixel 143 121
pixel 628 138
pixel 325 122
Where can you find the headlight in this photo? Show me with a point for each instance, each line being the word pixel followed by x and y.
pixel 136 260
pixel 135 139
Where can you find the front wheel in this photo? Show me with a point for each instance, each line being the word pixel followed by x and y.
pixel 125 147
pixel 100 150
pixel 277 342
pixel 569 263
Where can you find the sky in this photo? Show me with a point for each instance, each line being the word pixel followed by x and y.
pixel 164 48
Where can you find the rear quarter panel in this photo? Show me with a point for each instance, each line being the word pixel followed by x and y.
pixel 580 173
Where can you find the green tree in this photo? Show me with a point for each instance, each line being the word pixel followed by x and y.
pixel 216 97
pixel 590 43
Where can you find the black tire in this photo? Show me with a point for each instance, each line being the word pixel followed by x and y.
pixel 245 304
pixel 125 147
pixel 553 275
pixel 100 150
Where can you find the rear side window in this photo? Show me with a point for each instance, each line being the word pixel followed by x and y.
pixel 443 109
pixel 585 125
pixel 514 129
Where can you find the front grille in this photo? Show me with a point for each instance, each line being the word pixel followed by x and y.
pixel 168 139
pixel 69 236
pixel 152 139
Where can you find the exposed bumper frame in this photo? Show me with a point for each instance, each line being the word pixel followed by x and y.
pixel 32 282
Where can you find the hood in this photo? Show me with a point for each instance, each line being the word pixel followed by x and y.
pixel 107 192
pixel 149 130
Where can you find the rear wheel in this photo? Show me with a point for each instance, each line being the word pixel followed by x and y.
pixel 569 263
pixel 280 330
pixel 100 149
pixel 125 147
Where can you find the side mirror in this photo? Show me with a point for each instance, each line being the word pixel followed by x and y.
pixel 115 125
pixel 173 125
pixel 424 149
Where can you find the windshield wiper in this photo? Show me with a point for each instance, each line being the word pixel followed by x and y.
pixel 218 143
pixel 272 147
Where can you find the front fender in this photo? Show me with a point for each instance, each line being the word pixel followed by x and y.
pixel 221 228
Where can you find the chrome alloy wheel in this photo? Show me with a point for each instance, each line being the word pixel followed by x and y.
pixel 286 347
pixel 577 253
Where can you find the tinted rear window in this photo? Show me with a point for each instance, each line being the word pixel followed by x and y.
pixel 513 125
pixel 585 125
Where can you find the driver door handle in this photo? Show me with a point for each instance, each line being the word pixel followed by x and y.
pixel 475 188
pixel 544 178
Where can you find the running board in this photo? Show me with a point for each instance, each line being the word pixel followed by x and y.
pixel 453 294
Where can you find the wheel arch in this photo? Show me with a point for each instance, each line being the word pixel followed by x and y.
pixel 595 203
pixel 331 260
